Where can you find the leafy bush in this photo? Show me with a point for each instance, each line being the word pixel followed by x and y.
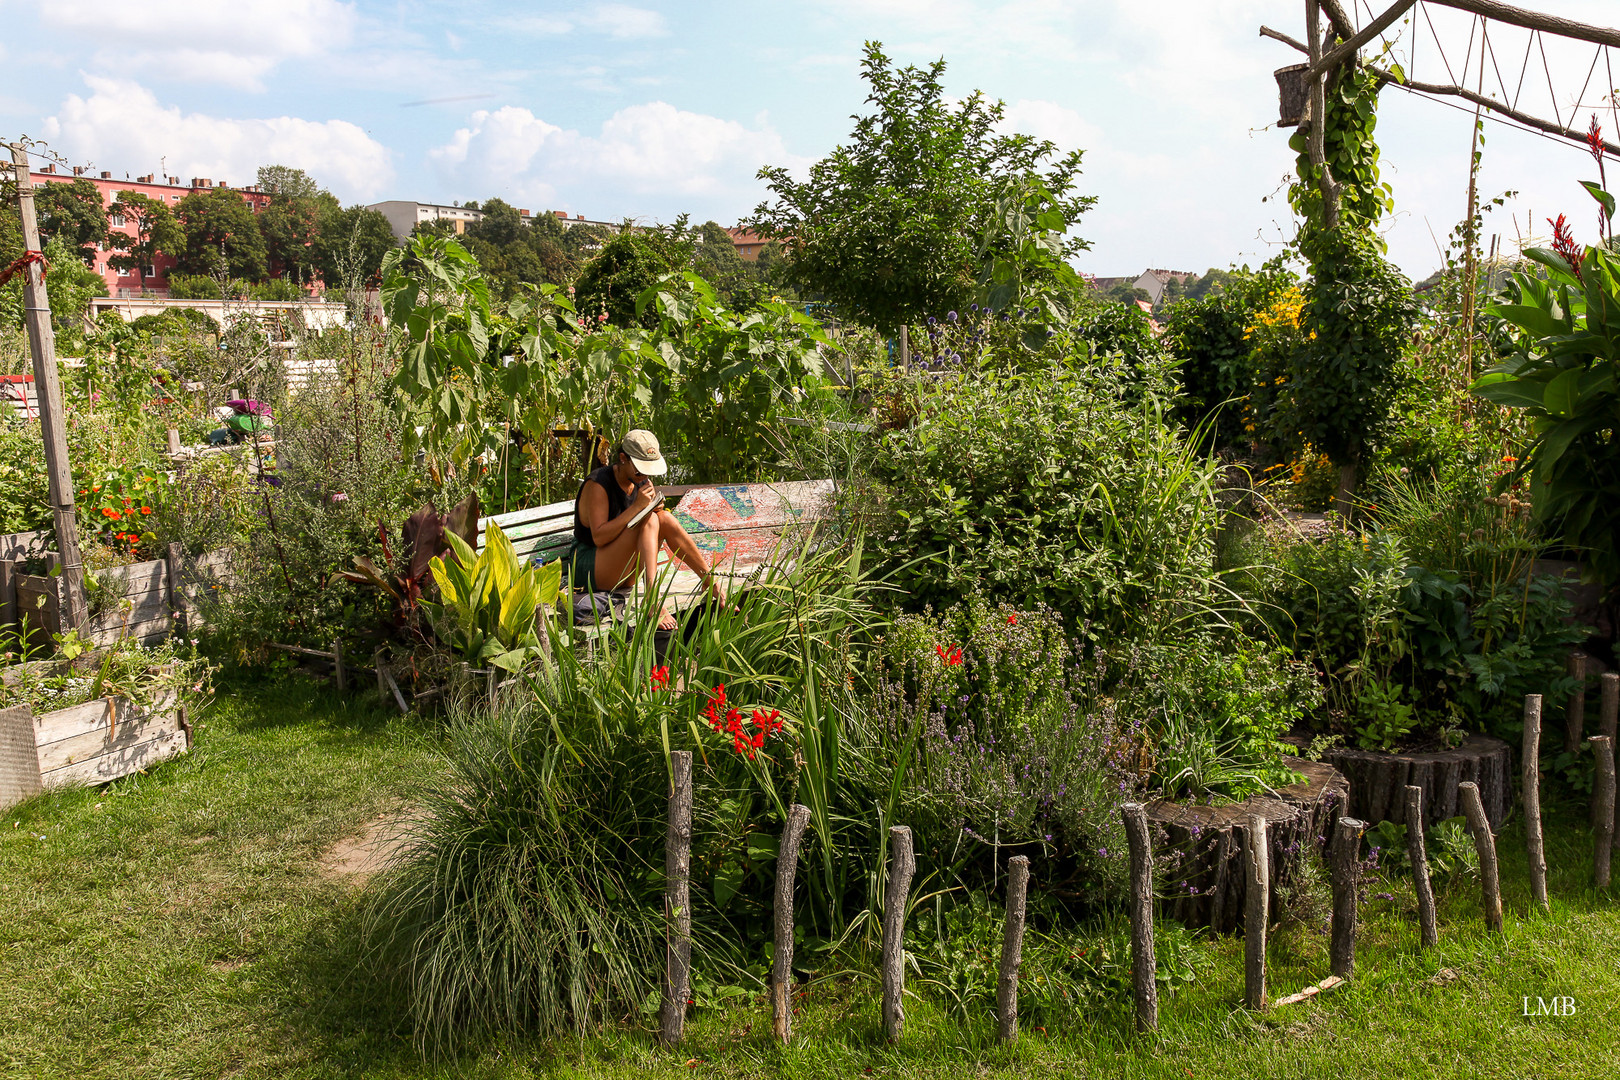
pixel 1049 491
pixel 193 287
pixel 627 266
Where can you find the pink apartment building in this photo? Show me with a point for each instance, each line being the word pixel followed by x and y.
pixel 167 189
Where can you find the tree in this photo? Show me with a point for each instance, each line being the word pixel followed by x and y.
pixel 73 212
pixel 349 252
pixel 627 265
pixel 221 233
pixel 291 226
pixel 741 284
pixel 502 225
pixel 288 181
pixel 155 231
pixel 890 226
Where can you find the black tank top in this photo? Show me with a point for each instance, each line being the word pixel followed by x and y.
pixel 618 502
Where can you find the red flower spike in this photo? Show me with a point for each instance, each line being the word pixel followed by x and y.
pixel 1564 244
pixel 949 655
pixel 1012 620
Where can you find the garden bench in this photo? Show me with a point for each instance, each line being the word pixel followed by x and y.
pixel 737 526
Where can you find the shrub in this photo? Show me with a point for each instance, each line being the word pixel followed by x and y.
pixel 193 287
pixel 627 266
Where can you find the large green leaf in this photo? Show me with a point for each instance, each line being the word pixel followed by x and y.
pixel 1536 320
pixel 1510 390
pixel 1562 395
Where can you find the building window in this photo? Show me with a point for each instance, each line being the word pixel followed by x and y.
pixel 116 220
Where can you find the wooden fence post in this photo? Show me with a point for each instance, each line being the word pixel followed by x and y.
pixel 1012 949
pixel 787 867
pixel 1603 808
pixel 1144 989
pixel 1257 909
pixel 1485 844
pixel 902 864
pixel 8 594
pixel 339 676
pixel 677 901
pixel 1346 852
pixel 175 564
pixel 1575 711
pixel 1532 800
pixel 174 443
pixel 1417 852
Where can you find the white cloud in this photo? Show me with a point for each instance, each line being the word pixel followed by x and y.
pixel 212 41
pixel 1048 120
pixel 651 158
pixel 619 21
pixel 121 121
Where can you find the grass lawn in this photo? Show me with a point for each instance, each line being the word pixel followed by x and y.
pixel 181 924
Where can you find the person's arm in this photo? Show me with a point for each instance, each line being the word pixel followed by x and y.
pixel 593 512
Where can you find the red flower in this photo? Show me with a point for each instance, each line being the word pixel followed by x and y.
pixel 146 509
pixel 1012 620
pixel 949 655
pixel 1564 244
pixel 660 678
pixel 1594 140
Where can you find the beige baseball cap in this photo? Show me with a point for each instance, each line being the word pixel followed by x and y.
pixel 642 446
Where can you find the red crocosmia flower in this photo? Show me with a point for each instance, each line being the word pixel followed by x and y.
pixel 660 678
pixel 949 655
pixel 1012 620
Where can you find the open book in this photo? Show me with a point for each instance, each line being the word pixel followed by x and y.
pixel 641 515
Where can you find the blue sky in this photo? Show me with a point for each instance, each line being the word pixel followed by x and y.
pixel 647 109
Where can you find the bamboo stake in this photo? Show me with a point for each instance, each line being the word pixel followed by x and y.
pixel 1575 711
pixel 1144 988
pixel 1485 844
pixel 1603 808
pixel 1428 924
pixel 1012 949
pixel 1532 800
pixel 339 676
pixel 787 867
pixel 1346 879
pixel 677 901
pixel 1257 909
pixel 902 864
pixel 52 418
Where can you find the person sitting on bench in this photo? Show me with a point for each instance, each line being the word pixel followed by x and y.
pixel 615 534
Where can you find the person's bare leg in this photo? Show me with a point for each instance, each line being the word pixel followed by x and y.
pixel 684 547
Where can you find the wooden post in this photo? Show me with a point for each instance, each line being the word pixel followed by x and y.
pixel 382 673
pixel 1609 703
pixel 1575 711
pixel 8 594
pixel 787 867
pixel 905 349
pixel 1257 909
pixel 902 864
pixel 174 442
pixel 1532 800
pixel 1144 989
pixel 1428 925
pixel 175 562
pixel 1603 808
pixel 1346 852
pixel 1012 949
pixel 677 901
pixel 1485 844
pixel 339 676
pixel 48 391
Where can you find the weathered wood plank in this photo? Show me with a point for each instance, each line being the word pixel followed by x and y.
pixel 128 733
pixel 140 577
pixel 94 715
pixel 39 608
pixel 753 506
pixel 525 516
pixel 108 767
pixel 146 632
pixel 19 765
pixel 20 545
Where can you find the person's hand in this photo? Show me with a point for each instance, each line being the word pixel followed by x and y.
pixel 645 493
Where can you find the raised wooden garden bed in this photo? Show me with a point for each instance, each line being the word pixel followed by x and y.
pixel 92 743
pixel 1202 877
pixel 1378 781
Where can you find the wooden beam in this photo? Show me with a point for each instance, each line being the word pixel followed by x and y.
pixel 1346 50
pixel 48 388
pixel 1495 106
pixel 1278 35
pixel 1536 20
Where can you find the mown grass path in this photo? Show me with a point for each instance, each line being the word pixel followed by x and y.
pixel 181 924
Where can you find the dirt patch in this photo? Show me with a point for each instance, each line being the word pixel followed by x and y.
pixel 359 857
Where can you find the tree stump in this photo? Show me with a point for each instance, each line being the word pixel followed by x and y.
pixel 1378 781
pixel 1203 882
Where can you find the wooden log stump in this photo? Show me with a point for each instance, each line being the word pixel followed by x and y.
pixel 1203 881
pixel 1575 711
pixel 1417 853
pixel 1257 911
pixel 1144 988
pixel 902 864
pixel 677 901
pixel 1603 809
pixel 1531 760
pixel 1346 885
pixel 787 865
pixel 1378 781
pixel 1012 948
pixel 1490 883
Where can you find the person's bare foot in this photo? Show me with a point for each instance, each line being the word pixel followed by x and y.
pixel 666 621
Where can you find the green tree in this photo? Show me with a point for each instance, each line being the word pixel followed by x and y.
pixel 890 226
pixel 155 231
pixel 291 226
pixel 287 181
pixel 626 267
pixel 74 212
pixel 221 233
pixel 741 284
pixel 349 251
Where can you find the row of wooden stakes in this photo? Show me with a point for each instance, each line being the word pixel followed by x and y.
pixel 1344 856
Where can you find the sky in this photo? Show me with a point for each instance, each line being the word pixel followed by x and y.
pixel 652 108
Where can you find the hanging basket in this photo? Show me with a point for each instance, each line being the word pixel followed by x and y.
pixel 1292 89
